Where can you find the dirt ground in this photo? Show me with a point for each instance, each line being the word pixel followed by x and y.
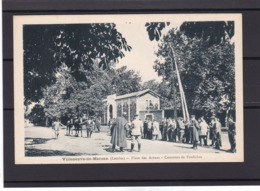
pixel 40 141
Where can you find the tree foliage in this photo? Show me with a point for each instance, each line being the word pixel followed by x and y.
pixel 37 115
pixel 69 97
pixel 207 72
pixel 124 81
pixel 47 47
pixel 209 32
pixel 155 29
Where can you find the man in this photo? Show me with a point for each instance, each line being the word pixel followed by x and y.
pixel 90 127
pixel 232 134
pixel 149 129
pixel 174 131
pixel 187 132
pixel 56 127
pixel 212 135
pixel 169 129
pixel 118 137
pixel 128 130
pixel 145 132
pixel 181 129
pixel 84 123
pixel 190 134
pixel 77 127
pixel 217 129
pixel 203 132
pixel 142 128
pixel 136 128
pixel 156 130
pixel 98 124
pixel 110 122
pixel 195 127
pixel 69 126
pixel 163 128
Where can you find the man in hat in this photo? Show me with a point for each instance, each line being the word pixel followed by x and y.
pixel 170 128
pixel 156 130
pixel 90 127
pixel 195 127
pixel 203 131
pixel 145 129
pixel 163 128
pixel 136 132
pixel 217 133
pixel 98 124
pixel 212 135
pixel 118 137
pixel 149 129
pixel 232 134
pixel 181 129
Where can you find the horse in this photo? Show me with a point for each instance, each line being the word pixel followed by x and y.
pixel 78 128
pixel 69 126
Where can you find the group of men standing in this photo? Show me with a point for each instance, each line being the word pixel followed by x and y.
pixel 120 127
pixel 77 125
pixel 195 132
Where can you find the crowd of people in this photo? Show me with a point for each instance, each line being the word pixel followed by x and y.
pixel 195 132
pixel 76 125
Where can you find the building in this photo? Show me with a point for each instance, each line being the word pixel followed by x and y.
pixel 145 103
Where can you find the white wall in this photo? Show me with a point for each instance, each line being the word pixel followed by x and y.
pixel 142 101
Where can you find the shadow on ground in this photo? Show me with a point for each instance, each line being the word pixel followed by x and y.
pixel 45 153
pixel 32 141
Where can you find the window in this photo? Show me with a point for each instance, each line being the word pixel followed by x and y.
pixel 149 104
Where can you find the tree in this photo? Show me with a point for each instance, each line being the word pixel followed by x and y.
pixel 191 37
pixel 68 97
pixel 37 115
pixel 210 32
pixel 207 72
pixel 125 81
pixel 47 47
pixel 154 29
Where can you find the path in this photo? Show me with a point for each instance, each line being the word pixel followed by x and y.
pixel 40 141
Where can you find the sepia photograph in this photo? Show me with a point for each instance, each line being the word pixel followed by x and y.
pixel 141 88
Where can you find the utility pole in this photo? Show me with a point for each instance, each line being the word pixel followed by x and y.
pixel 174 99
pixel 182 95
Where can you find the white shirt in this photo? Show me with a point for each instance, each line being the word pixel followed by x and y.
pixel 56 126
pixel 156 128
pixel 136 127
pixel 203 128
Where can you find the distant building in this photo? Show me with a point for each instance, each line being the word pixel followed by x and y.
pixel 146 103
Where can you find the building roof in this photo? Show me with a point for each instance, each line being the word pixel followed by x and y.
pixel 137 94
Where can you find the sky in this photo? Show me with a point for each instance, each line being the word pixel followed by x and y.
pixel 141 58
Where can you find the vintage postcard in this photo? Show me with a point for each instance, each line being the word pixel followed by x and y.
pixel 140 88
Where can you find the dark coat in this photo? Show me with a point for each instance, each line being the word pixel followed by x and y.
pixel 195 126
pixel 231 128
pixel 119 132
